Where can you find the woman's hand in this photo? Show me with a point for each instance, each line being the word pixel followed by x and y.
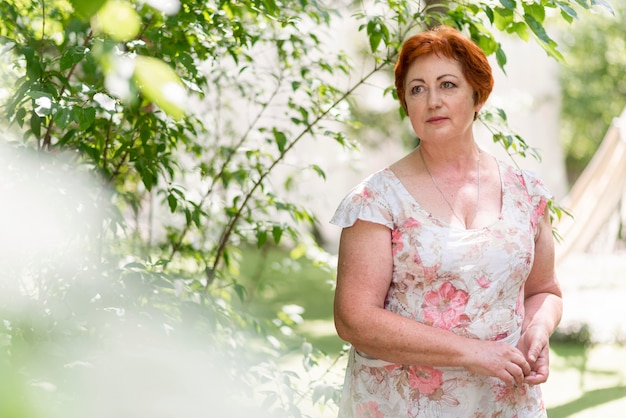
pixel 498 359
pixel 535 344
pixel 542 305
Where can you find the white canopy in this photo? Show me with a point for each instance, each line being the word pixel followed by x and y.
pixel 597 193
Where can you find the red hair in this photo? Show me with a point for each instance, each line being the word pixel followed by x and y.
pixel 450 43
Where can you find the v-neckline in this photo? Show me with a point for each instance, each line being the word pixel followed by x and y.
pixel 503 196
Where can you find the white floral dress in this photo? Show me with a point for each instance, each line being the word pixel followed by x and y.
pixel 470 282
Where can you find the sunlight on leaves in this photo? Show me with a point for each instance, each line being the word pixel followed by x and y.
pixel 118 20
pixel 160 84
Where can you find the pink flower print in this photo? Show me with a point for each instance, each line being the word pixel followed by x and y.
pixel 510 246
pixel 397 245
pixel 519 307
pixel 366 194
pixel 501 336
pixel 509 176
pixel 484 282
pixel 392 367
pixel 503 392
pixel 368 410
pixel 510 395
pixel 416 258
pixel 430 273
pixel 444 308
pixel 537 213
pixel 411 223
pixel 425 379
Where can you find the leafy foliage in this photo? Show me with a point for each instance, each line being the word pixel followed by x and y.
pixel 186 114
pixel 592 83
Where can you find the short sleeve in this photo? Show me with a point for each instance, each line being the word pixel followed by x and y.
pixel 366 202
pixel 539 195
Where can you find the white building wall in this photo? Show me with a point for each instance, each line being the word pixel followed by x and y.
pixel 530 95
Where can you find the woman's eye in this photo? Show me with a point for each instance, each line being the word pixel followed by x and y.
pixel 447 84
pixel 417 89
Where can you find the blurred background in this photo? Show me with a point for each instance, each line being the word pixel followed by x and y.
pixel 169 169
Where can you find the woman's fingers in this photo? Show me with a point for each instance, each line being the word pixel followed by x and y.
pixel 503 361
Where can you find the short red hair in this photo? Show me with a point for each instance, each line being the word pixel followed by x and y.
pixel 450 43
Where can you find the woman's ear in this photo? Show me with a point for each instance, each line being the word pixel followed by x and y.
pixel 477 108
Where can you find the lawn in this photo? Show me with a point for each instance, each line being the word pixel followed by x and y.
pixel 586 381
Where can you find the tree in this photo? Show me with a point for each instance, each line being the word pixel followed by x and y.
pixel 184 112
pixel 592 82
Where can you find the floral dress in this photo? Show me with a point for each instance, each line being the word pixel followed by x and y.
pixel 470 282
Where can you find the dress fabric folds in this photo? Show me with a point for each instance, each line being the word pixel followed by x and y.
pixel 467 281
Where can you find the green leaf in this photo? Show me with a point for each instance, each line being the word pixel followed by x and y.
pixel 319 171
pixel 509 4
pixel 280 138
pixel 535 10
pixel 19 116
pixel 39 94
pixel 501 57
pixel 537 28
pixel 502 114
pixel 118 20
pixel 85 9
pixel 503 18
pixel 566 17
pixel 277 233
pixel 550 48
pixel 85 117
pixel 63 117
pixel 521 30
pixel 375 38
pixel 35 124
pixel 487 44
pixel 261 237
pixel 172 201
pixel 489 12
pixel 67 137
pixel 34 68
pixel 567 11
pixel 195 216
pixel 135 265
pixel 72 56
pixel 240 291
pixel 605 4
pixel 161 85
pixel 376 31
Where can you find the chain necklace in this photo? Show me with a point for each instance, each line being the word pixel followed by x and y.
pixel 444 196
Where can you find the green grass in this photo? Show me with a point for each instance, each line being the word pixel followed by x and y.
pixel 274 281
pixel 585 381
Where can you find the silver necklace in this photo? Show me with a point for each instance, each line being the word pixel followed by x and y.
pixel 444 196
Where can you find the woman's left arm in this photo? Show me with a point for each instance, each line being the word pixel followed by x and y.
pixel 542 303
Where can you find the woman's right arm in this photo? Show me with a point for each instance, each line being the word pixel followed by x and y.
pixel 364 274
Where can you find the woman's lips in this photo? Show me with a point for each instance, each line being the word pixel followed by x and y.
pixel 436 119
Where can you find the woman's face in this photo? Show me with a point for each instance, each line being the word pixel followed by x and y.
pixel 440 101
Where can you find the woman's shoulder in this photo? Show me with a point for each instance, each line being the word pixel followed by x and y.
pixel 368 201
pixel 526 179
pixel 377 180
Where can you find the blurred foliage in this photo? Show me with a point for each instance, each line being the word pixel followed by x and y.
pixel 183 115
pixel 592 82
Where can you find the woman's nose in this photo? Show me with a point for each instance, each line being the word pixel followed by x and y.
pixel 434 98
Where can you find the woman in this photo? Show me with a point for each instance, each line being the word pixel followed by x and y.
pixel 446 286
